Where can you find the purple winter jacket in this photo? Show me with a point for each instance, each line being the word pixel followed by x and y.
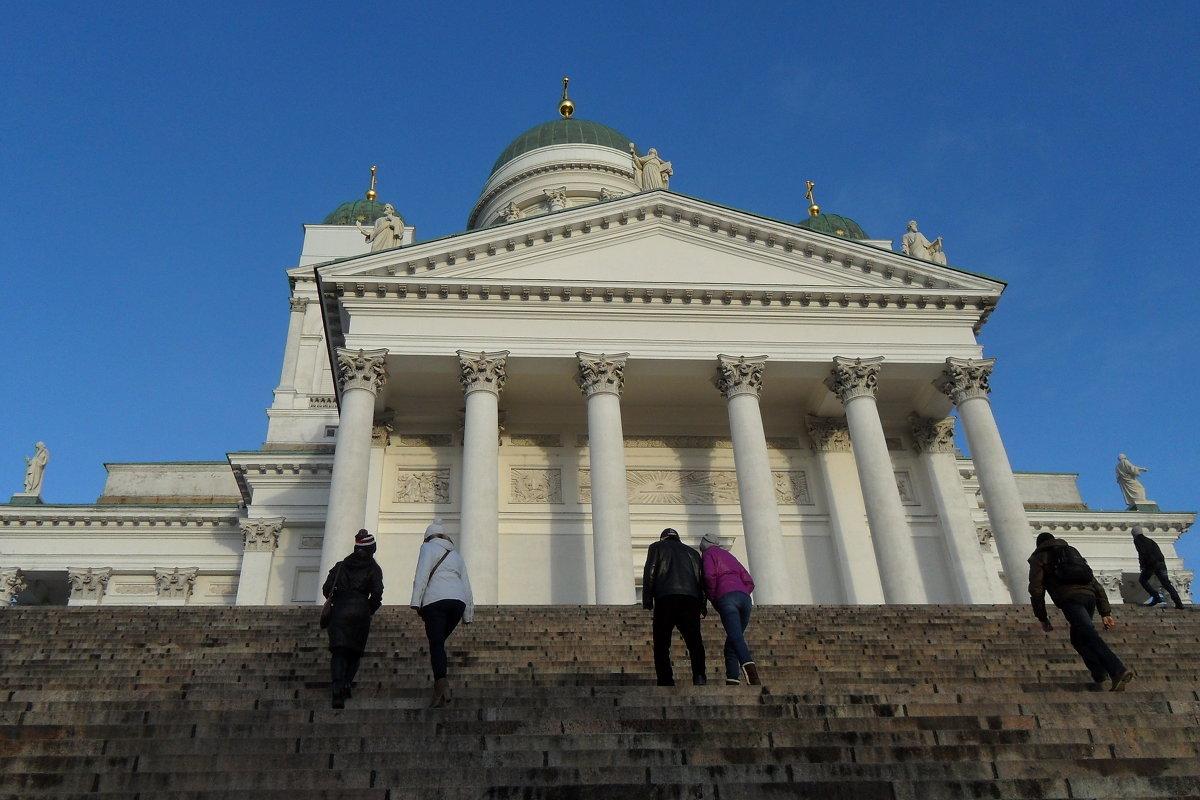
pixel 723 573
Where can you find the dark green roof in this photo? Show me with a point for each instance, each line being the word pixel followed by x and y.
pixel 562 131
pixel 355 210
pixel 837 225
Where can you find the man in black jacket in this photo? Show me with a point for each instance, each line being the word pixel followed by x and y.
pixel 1077 601
pixel 673 587
pixel 1152 562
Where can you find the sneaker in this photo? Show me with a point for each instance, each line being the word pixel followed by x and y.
pixel 751 671
pixel 732 682
pixel 1121 680
pixel 1153 601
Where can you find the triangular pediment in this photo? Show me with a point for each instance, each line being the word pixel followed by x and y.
pixel 659 239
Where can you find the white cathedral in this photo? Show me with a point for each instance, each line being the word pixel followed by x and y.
pixel 597 357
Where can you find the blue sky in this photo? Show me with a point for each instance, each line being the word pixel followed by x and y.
pixel 157 163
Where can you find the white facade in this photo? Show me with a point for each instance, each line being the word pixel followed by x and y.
pixel 561 387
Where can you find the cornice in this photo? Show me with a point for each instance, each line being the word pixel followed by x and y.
pixel 1122 522
pixel 557 166
pixel 166 519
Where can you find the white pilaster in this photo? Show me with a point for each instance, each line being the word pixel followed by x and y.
pixel 965 382
pixel 601 378
pixel 847 515
pixel 934 439
pixel 854 381
pixel 291 350
pixel 260 539
pixel 739 379
pixel 362 374
pixel 482 376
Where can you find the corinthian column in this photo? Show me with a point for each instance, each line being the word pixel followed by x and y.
pixel 260 539
pixel 854 381
pixel 740 381
pixel 965 382
pixel 601 378
pixel 934 440
pixel 482 376
pixel 847 516
pixel 12 583
pixel 362 373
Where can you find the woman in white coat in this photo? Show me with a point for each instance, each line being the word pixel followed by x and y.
pixel 442 598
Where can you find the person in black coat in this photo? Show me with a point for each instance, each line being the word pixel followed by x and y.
pixel 673 587
pixel 356 585
pixel 1152 562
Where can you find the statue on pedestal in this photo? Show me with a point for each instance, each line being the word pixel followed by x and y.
pixel 650 171
pixel 388 230
pixel 1131 488
pixel 35 469
pixel 915 244
pixel 556 199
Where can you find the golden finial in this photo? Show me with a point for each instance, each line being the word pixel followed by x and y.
pixel 371 191
pixel 813 208
pixel 565 106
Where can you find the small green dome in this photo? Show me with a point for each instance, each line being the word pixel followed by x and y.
pixel 837 225
pixel 562 131
pixel 366 211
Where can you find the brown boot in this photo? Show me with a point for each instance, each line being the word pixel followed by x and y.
pixel 441 693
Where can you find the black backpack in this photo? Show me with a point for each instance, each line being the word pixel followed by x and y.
pixel 1068 568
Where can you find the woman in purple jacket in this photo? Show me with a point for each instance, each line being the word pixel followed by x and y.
pixel 729 586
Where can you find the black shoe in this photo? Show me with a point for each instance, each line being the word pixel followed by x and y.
pixel 338 698
pixel 732 682
pixel 666 683
pixel 1179 606
pixel 699 680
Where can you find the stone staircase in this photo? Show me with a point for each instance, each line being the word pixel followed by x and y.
pixel 869 703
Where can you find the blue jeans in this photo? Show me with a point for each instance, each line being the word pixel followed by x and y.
pixel 734 608
pixel 1096 655
pixel 441 618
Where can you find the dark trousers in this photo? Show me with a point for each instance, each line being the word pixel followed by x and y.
pixel 343 666
pixel 671 612
pixel 1159 571
pixel 441 618
pixel 1096 655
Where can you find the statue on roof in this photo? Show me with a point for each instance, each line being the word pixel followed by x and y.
pixel 556 199
pixel 387 232
pixel 35 469
pixel 915 244
pixel 510 212
pixel 1131 488
pixel 650 171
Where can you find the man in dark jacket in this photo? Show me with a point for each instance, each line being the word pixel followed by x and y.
pixel 1152 562
pixel 1078 602
pixel 673 587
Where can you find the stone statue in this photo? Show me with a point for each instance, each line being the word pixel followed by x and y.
pixel 650 171
pixel 915 244
pixel 35 469
pixel 1131 487
pixel 556 199
pixel 388 230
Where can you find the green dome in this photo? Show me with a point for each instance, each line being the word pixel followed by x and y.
pixel 366 211
pixel 837 225
pixel 562 131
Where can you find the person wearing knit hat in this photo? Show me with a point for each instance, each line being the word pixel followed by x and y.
pixel 354 587
pixel 729 585
pixel 442 597
pixel 673 588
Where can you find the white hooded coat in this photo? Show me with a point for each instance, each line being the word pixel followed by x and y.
pixel 448 582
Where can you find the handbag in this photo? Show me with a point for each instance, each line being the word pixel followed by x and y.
pixel 327 609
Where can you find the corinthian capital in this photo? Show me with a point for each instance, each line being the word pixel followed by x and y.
pixel 601 373
pixel 965 378
pixel 854 377
pixel 175 582
pixel 12 583
pixel 298 303
pixel 828 434
pixel 932 435
pixel 482 371
pixel 89 583
pixel 261 535
pixel 362 369
pixel 740 375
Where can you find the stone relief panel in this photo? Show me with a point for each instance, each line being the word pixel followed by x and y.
pixel 422 486
pixel 908 493
pixel 421 439
pixel 136 588
pixel 697 487
pixel 694 442
pixel 535 440
pixel 527 485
